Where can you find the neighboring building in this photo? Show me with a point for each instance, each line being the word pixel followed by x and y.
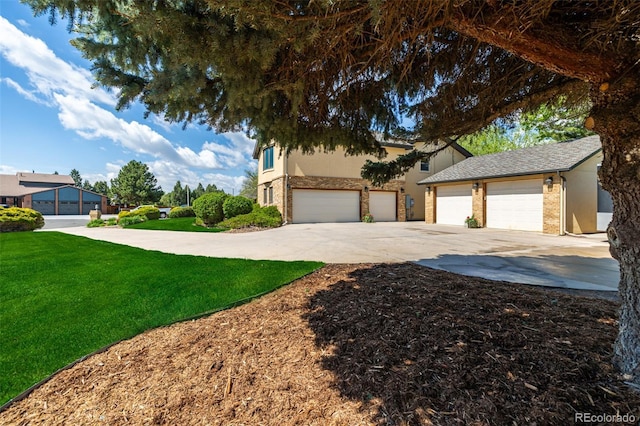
pixel 551 188
pixel 49 194
pixel 327 186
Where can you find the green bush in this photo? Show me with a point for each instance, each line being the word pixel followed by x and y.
pixel 261 218
pixel 130 220
pixel 234 206
pixel 271 211
pixel 208 207
pixel 152 213
pixel 112 221
pixel 123 213
pixel 182 212
pixel 95 223
pixel 17 219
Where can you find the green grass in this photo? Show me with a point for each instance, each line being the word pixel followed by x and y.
pixel 63 297
pixel 186 224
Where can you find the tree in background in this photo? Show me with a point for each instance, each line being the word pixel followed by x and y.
pixel 136 185
pixel 178 195
pixel 250 184
pixel 211 188
pixel 101 187
pixel 324 74
pixel 87 185
pixel 197 192
pixel 555 122
pixel 77 179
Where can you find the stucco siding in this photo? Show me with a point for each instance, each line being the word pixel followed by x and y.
pixel 582 197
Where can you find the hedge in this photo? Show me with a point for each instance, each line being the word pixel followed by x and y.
pixel 208 207
pixel 17 219
pixel 234 206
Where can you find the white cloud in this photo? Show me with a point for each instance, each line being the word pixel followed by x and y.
pixel 57 83
pixel 23 23
pixel 47 73
pixel 28 94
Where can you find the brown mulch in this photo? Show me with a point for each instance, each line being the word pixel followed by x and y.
pixel 379 344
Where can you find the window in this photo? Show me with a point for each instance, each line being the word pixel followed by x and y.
pixel 424 166
pixel 267 158
pixel 270 195
pixel 264 196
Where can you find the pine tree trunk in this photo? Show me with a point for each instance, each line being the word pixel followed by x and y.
pixel 616 114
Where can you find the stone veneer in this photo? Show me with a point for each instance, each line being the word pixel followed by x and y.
pixel 477 204
pixel 551 206
pixel 328 183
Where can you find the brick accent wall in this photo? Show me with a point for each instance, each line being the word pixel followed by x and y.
pixel 478 204
pixel 551 206
pixel 430 206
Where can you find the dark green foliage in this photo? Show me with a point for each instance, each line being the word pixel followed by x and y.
pixel 182 224
pixel 234 206
pixel 271 211
pixel 17 219
pixel 208 207
pixel 77 179
pixel 260 217
pixel 181 212
pixel 135 184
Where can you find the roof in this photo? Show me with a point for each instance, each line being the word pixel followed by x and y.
pixel 550 158
pixel 45 178
pixel 14 185
pixel 395 143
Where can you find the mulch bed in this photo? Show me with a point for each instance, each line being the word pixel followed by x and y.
pixel 378 344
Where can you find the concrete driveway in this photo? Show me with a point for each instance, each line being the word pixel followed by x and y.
pixel 571 262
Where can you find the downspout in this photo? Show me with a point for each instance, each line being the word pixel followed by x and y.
pixel 563 204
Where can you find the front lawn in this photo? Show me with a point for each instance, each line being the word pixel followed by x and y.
pixel 186 224
pixel 63 297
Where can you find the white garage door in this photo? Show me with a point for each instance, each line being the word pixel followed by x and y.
pixel 515 205
pixel 453 204
pixel 382 205
pixel 314 205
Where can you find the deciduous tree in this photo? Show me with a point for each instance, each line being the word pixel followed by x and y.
pixel 329 73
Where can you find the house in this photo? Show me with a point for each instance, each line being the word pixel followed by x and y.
pixel 551 189
pixel 50 194
pixel 327 186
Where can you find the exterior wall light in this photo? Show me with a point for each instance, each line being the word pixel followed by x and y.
pixel 549 182
pixel 366 189
pixel 402 189
pixel 476 185
pixel 428 190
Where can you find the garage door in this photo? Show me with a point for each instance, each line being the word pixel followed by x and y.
pixel 515 205
pixel 453 204
pixel 382 205
pixel 314 205
pixel 44 207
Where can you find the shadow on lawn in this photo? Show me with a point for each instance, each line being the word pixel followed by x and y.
pixel 424 345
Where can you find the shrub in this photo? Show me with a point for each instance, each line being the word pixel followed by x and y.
pixel 95 223
pixel 112 221
pixel 368 218
pixel 261 218
pixel 271 211
pixel 131 220
pixel 208 207
pixel 17 219
pixel 182 212
pixel 234 206
pixel 123 213
pixel 152 213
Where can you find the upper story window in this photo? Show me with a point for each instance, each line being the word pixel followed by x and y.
pixel 424 166
pixel 267 158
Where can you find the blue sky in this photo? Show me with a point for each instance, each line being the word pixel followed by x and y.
pixel 51 119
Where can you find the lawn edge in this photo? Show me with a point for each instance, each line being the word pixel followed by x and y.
pixel 24 394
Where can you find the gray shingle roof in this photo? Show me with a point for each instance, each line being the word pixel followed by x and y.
pixel 557 157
